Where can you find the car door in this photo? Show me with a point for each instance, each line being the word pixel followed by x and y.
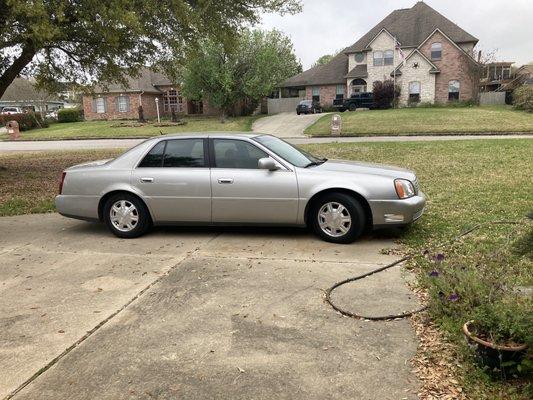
pixel 243 193
pixel 174 179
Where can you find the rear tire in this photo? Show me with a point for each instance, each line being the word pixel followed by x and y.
pixel 352 107
pixel 126 216
pixel 337 218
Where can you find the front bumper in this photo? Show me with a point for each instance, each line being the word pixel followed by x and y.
pixel 397 212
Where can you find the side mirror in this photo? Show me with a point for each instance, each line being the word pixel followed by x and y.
pixel 267 163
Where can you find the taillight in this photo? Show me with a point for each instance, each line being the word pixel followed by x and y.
pixel 63 174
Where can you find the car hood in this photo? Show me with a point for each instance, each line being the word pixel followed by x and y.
pixel 366 168
pixel 96 163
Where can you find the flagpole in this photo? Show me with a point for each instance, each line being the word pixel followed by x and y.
pixel 394 75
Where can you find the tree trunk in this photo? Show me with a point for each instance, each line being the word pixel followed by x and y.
pixel 223 116
pixel 9 75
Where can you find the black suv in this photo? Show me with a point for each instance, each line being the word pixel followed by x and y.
pixel 308 106
pixel 358 100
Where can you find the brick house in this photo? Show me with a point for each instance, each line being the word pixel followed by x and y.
pixel 430 57
pixel 122 102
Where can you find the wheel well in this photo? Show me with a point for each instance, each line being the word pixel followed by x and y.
pixel 107 196
pixel 354 194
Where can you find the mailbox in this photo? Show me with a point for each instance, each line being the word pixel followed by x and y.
pixel 336 124
pixel 13 130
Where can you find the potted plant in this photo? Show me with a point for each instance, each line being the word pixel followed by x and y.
pixel 500 334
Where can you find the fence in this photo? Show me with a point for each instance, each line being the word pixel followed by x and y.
pixel 490 98
pixel 288 104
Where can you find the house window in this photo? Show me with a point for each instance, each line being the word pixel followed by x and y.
pixel 378 58
pixel 340 92
pixel 453 90
pixel 316 93
pixel 100 105
pixel 388 58
pixel 436 51
pixel 123 104
pixel 414 92
pixel 172 101
pixel 359 57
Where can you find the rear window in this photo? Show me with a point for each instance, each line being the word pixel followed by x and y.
pixel 179 153
pixel 305 103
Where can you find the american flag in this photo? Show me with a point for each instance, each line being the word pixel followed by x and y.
pixel 400 52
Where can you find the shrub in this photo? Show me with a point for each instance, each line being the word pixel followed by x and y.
pixel 26 121
pixel 523 98
pixel 69 115
pixel 384 93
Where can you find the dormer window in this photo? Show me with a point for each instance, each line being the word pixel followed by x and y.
pixel 388 58
pixel 359 57
pixel 378 58
pixel 436 51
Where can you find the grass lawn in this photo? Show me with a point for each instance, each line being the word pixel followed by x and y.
pixel 413 121
pixel 111 129
pixel 467 182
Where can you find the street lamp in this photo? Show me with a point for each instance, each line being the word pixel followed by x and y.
pixel 157 108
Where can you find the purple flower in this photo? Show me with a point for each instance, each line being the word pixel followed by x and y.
pixel 439 257
pixel 434 273
pixel 453 297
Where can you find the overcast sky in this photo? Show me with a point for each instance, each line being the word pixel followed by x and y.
pixel 325 26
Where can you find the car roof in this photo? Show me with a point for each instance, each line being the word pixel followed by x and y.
pixel 203 135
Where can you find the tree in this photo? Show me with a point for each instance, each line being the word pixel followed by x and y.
pixel 251 69
pixel 385 93
pixel 81 41
pixel 323 60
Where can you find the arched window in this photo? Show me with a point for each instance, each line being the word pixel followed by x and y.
pixel 357 86
pixel 414 92
pixel 453 90
pixel 378 58
pixel 436 51
pixel 388 58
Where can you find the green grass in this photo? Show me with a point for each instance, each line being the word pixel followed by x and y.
pixel 110 129
pixel 437 120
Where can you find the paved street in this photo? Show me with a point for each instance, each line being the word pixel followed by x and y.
pixel 197 313
pixel 9 147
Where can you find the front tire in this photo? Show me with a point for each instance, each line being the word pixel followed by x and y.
pixel 337 218
pixel 126 216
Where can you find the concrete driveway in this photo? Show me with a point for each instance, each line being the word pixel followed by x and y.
pixel 195 314
pixel 285 125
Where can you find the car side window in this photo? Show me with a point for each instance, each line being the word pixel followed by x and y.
pixel 184 153
pixel 178 153
pixel 154 158
pixel 236 154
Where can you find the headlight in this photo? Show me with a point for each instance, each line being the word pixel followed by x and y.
pixel 404 188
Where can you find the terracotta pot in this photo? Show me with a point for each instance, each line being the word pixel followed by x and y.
pixel 498 358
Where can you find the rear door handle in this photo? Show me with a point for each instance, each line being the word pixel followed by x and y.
pixel 225 181
pixel 147 180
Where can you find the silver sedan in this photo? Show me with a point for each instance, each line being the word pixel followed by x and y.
pixel 238 179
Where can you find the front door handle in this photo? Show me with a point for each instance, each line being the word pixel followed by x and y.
pixel 225 181
pixel 147 180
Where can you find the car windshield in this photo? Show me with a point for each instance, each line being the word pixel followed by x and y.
pixel 305 103
pixel 288 152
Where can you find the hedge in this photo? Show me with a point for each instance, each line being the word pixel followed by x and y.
pixel 26 121
pixel 69 115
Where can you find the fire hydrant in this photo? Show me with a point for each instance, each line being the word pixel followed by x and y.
pixel 13 130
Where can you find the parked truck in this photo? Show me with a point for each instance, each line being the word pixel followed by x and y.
pixel 357 100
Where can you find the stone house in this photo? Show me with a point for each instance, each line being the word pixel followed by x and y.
pixel 430 57
pixel 122 102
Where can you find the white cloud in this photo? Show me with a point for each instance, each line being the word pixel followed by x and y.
pixel 325 26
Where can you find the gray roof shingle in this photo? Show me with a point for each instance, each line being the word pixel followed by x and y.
pixel 328 74
pixel 147 82
pixel 411 26
pixel 359 71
